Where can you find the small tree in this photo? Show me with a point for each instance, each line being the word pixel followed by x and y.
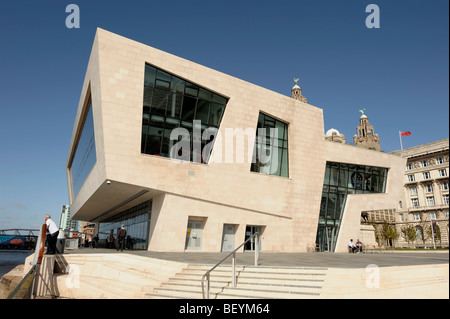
pixel 429 232
pixel 388 233
pixel 425 230
pixel 408 232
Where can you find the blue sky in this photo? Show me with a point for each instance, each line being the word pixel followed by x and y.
pixel 399 72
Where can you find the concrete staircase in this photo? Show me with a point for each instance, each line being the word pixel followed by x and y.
pixel 252 283
pixel 111 276
pixel 125 276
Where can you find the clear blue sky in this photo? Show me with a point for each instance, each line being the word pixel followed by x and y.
pixel 399 72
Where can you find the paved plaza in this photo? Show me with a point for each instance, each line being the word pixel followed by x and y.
pixel 326 260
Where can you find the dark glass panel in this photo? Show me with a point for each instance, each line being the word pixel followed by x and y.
pixel 174 105
pixel 281 130
pixel 334 176
pixel 219 99
pixel 163 76
pixel 343 177
pixel 148 95
pixel 215 114
pixel 202 111
pixel 154 139
pixel 167 144
pixel 285 164
pixel 160 99
pixel 150 73
pixel 191 89
pixel 163 85
pixel 275 164
pixel 177 85
pixel 188 110
pixel 85 154
pixel 331 206
pixel 204 95
pixel 269 122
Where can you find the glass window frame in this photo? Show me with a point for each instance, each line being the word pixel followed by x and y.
pixel 79 172
pixel 170 102
pixel 340 180
pixel 270 124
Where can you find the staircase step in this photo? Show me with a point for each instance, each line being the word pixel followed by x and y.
pixel 249 286
pixel 252 283
pixel 249 280
pixel 251 275
pixel 220 292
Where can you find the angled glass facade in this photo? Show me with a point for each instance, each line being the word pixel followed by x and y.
pixel 85 156
pixel 136 221
pixel 270 155
pixel 340 180
pixel 171 102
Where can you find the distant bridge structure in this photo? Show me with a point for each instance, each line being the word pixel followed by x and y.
pixel 20 232
pixel 18 238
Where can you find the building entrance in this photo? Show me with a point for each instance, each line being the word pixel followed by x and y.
pixel 194 234
pixel 326 238
pixel 250 245
pixel 228 242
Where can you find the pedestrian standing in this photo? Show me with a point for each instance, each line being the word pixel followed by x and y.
pixel 121 235
pixel 52 235
pixel 95 242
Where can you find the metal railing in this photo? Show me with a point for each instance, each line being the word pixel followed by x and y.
pixel 206 291
pixel 25 289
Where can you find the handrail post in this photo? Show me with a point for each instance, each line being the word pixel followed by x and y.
pixel 233 263
pixel 233 253
pixel 207 286
pixel 42 244
pixel 256 249
pixel 39 243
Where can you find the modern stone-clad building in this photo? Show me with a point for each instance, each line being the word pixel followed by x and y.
pixel 189 158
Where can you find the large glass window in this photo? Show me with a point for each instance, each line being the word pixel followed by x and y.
pixel 270 155
pixel 136 221
pixel 170 103
pixel 85 156
pixel 340 180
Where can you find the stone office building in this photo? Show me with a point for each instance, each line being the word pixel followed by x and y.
pixel 189 158
pixel 426 193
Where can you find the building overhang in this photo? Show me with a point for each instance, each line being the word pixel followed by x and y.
pixel 111 198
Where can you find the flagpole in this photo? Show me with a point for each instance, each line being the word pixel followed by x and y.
pixel 400 136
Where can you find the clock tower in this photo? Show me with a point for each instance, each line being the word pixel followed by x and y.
pixel 365 135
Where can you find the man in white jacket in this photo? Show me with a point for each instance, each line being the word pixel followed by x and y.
pixel 52 235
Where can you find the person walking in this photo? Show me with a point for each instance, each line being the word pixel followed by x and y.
pixel 95 241
pixel 121 235
pixel 52 235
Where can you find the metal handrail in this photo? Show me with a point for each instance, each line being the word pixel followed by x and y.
pixel 233 253
pixel 25 286
pixel 25 289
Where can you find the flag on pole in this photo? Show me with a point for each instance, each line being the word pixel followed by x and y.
pixel 400 134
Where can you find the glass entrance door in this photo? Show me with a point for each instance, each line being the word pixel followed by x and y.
pixel 250 245
pixel 326 238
